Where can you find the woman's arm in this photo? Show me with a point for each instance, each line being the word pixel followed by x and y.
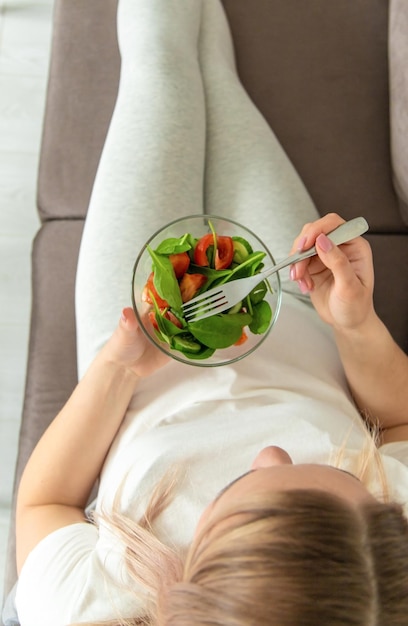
pixel 377 372
pixel 341 281
pixel 65 464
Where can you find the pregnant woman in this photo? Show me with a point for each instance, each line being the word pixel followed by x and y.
pixel 272 491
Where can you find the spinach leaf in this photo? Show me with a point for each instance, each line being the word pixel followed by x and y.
pixel 161 337
pixel 193 242
pixel 249 267
pixel 220 331
pixel 208 271
pixel 261 317
pixel 258 293
pixel 174 245
pixel 204 353
pixel 167 327
pixel 214 277
pixel 212 250
pixel 165 280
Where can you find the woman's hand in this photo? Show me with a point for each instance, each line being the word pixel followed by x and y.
pixel 340 279
pixel 130 348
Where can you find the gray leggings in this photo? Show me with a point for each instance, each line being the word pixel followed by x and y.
pixel 184 139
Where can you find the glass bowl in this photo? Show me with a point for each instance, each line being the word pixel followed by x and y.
pixel 178 342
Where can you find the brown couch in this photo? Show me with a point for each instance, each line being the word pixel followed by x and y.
pixel 330 77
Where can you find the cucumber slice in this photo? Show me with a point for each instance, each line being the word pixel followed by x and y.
pixel 184 344
pixel 244 242
pixel 242 249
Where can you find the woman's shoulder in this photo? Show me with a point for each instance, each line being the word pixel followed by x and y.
pixel 63 581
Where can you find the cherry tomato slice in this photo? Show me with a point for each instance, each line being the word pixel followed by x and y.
pixel 165 313
pixel 190 284
pixel 180 263
pixel 225 252
pixel 149 291
pixel 242 339
pixel 223 255
pixel 200 251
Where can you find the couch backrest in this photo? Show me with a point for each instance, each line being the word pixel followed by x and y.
pixel 317 70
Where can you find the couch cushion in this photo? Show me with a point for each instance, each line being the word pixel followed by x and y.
pixel 82 88
pixel 51 368
pixel 318 71
pixel 390 255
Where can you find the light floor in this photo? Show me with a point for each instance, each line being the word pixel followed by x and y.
pixel 25 37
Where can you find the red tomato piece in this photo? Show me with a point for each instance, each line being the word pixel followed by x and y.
pixel 242 339
pixel 200 251
pixel 149 291
pixel 190 284
pixel 225 252
pixel 223 255
pixel 165 313
pixel 172 318
pixel 180 263
pixel 152 318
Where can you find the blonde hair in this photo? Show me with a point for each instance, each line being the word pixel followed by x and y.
pixel 299 557
pixel 295 558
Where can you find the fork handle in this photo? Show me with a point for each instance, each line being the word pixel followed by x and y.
pixel 343 233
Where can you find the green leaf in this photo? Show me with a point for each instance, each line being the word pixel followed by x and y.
pixel 174 245
pixel 165 280
pixel 214 277
pixel 244 243
pixel 249 267
pixel 187 344
pixel 258 293
pixel 212 250
pixel 261 318
pixel 167 327
pixel 208 271
pixel 204 353
pixel 192 241
pixel 240 252
pixel 220 331
pixel 161 337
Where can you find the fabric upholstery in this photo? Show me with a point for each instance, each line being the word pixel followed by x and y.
pixel 82 88
pixel 319 73
pixel 51 368
pixel 390 255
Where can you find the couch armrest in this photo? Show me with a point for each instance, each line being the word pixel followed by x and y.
pixel 51 368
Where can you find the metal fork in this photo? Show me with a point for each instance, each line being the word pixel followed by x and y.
pixel 225 296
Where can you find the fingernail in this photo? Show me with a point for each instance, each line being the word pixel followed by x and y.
pixel 324 243
pixel 123 316
pixel 303 286
pixel 292 272
pixel 301 243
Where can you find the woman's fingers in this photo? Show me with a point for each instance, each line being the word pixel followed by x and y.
pixel 128 319
pixel 338 263
pixel 301 271
pixel 309 233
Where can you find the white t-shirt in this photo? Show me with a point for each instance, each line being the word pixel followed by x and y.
pixel 212 422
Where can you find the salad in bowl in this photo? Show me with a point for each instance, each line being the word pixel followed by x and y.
pixel 188 257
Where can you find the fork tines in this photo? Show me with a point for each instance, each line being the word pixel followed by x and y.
pixel 204 306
